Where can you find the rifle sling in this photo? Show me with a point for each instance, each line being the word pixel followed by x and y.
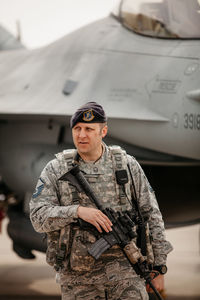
pixel 141 227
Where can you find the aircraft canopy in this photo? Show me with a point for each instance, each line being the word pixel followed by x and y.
pixel 161 18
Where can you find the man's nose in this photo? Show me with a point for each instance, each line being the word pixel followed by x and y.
pixel 82 133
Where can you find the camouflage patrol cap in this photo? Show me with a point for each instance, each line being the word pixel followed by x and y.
pixel 91 112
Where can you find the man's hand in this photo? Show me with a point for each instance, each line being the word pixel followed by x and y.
pixel 158 282
pixel 95 217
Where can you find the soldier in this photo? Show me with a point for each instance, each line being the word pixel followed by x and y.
pixel 56 206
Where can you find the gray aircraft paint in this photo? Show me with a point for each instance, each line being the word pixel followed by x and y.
pixel 144 84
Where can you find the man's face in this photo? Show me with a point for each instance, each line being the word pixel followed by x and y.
pixel 88 137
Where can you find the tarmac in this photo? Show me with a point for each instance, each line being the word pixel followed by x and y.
pixel 34 280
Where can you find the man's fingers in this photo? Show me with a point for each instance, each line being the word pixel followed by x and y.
pixel 104 225
pixel 100 223
pixel 104 221
pixel 106 218
pixel 158 282
pixel 95 217
pixel 98 227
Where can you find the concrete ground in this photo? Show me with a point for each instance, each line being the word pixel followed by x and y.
pixel 183 277
pixel 34 279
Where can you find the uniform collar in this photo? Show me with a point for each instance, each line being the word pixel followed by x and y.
pixel 95 167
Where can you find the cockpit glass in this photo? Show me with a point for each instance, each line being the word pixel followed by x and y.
pixel 161 18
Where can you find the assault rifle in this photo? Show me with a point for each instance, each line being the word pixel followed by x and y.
pixel 122 230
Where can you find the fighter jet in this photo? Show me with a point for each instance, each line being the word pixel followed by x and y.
pixel 142 63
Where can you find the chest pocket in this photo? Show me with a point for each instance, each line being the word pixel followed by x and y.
pixel 104 187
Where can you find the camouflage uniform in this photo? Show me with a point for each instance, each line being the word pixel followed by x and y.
pixel 54 207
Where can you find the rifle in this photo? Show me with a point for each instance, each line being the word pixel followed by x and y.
pixel 122 230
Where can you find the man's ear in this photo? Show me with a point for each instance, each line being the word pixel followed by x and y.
pixel 104 131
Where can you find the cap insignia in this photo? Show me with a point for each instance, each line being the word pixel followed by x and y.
pixel 88 115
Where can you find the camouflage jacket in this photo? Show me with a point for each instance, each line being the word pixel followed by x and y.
pixel 54 206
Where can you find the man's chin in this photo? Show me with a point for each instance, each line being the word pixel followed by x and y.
pixel 83 149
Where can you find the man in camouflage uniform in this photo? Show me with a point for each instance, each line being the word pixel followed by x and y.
pixel 56 206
